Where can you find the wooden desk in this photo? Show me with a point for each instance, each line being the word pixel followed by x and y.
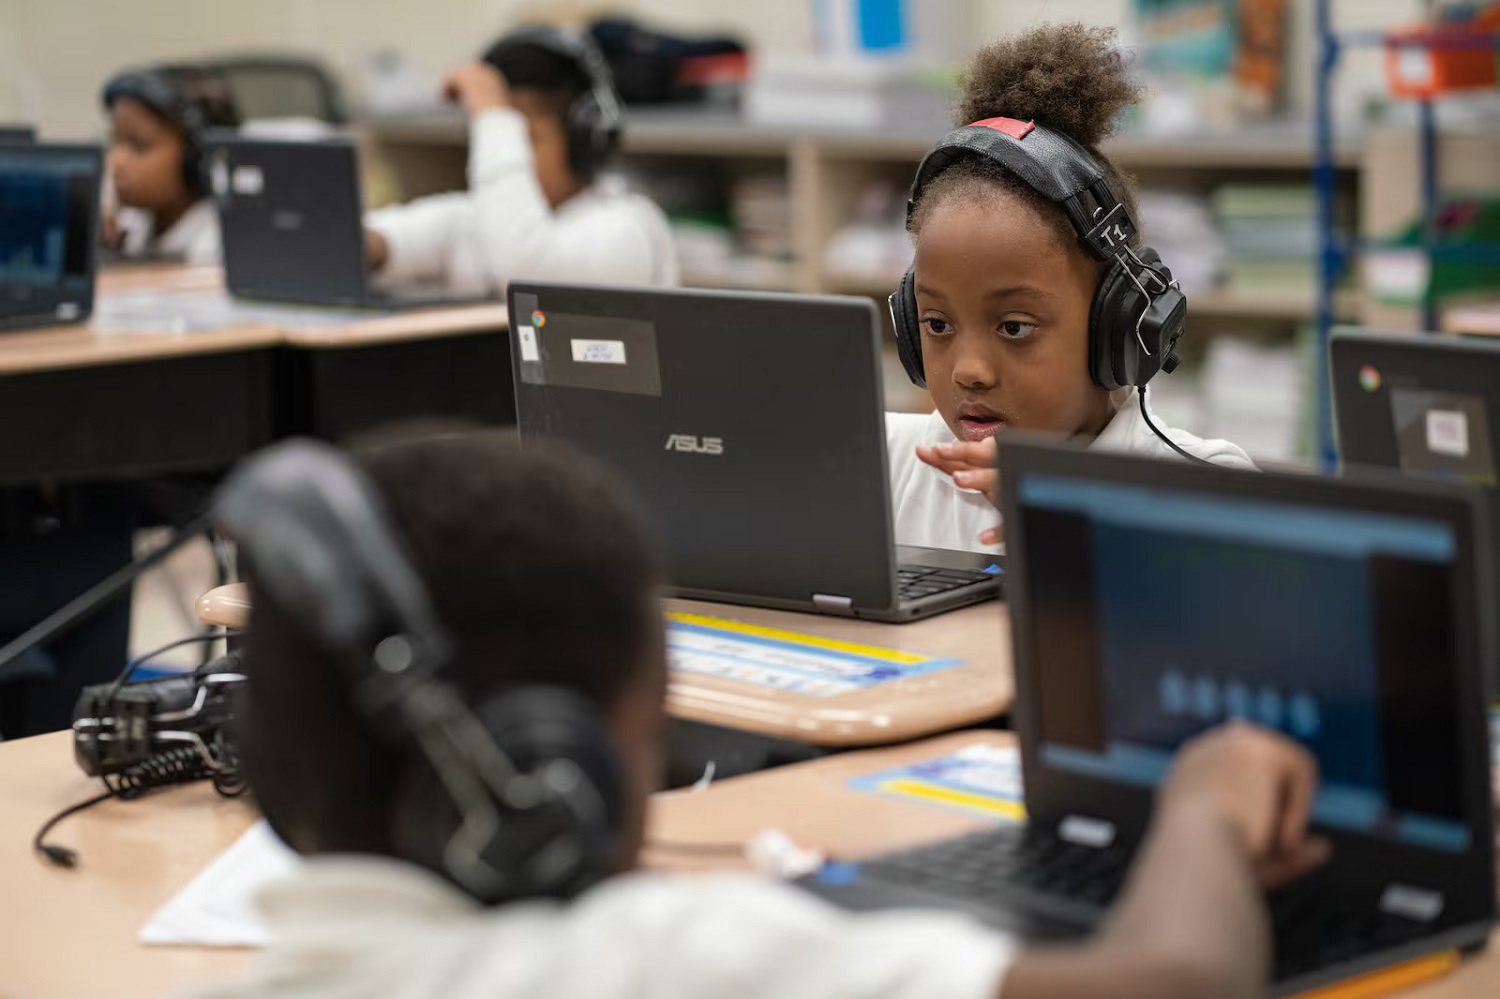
pixel 450 363
pixel 62 933
pixel 73 933
pixel 981 689
pixel 78 403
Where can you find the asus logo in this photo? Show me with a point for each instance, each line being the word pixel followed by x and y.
pixel 695 445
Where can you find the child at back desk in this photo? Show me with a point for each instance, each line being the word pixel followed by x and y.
pixel 158 177
pixel 1006 299
pixel 539 204
pixel 572 689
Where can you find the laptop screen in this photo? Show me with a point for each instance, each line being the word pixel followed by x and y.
pixel 1159 612
pixel 47 220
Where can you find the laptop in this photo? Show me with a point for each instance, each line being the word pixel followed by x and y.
pixel 1150 600
pixel 1425 405
pixel 17 135
pixel 49 225
pixel 292 225
pixel 752 428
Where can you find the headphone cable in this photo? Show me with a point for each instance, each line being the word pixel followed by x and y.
pixel 1169 442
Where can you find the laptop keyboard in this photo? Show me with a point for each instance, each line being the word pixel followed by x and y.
pixel 1034 870
pixel 1031 869
pixel 918 581
pixel 1314 929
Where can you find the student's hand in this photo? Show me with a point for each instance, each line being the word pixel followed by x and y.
pixel 1261 786
pixel 972 465
pixel 476 87
pixel 377 250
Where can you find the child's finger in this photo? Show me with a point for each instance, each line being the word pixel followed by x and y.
pixel 941 462
pixel 986 480
pixel 993 536
pixel 981 454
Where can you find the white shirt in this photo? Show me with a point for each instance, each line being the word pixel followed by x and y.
pixel 194 237
pixel 932 512
pixel 351 927
pixel 502 228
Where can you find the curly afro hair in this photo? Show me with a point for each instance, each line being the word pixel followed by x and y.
pixel 1070 78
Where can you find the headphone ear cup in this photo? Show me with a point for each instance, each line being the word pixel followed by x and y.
pixel 1113 351
pixel 582 117
pixel 194 167
pixel 903 306
pixel 591 138
pixel 566 832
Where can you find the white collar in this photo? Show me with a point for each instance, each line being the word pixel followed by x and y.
pixel 351 888
pixel 1124 430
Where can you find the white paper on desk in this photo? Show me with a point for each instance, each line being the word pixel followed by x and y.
pixel 217 908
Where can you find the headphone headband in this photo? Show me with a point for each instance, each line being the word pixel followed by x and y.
pixel 517 795
pixel 571 45
pixel 597 117
pixel 1048 162
pixel 1138 312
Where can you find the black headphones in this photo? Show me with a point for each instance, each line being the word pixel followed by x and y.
pixel 165 91
pixel 596 118
pixel 1139 311
pixel 519 796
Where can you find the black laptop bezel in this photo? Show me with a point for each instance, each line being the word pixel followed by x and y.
pixel 1467 879
pixel 77 303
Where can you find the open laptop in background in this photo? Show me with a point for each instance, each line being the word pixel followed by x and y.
pixel 752 427
pixel 1151 600
pixel 17 135
pixel 49 231
pixel 1424 405
pixel 292 221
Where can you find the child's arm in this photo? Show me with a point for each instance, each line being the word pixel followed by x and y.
pixel 519 232
pixel 413 242
pixel 523 237
pixel 1231 822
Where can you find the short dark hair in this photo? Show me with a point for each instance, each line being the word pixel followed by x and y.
pixel 554 78
pixel 1070 78
pixel 536 565
pixel 167 91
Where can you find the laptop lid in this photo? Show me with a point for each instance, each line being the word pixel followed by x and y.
pixel 1151 600
pixel 750 426
pixel 49 224
pixel 290 216
pixel 1424 405
pixel 17 135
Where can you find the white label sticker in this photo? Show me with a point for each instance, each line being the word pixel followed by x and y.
pixel 247 180
pixel 598 351
pixel 528 344
pixel 1448 432
pixel 1414 66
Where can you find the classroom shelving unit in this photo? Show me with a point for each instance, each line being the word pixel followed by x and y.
pixel 826 168
pixel 1337 249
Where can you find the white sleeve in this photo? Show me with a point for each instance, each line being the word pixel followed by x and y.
pixel 522 237
pixel 205 246
pixel 420 237
pixel 656 937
